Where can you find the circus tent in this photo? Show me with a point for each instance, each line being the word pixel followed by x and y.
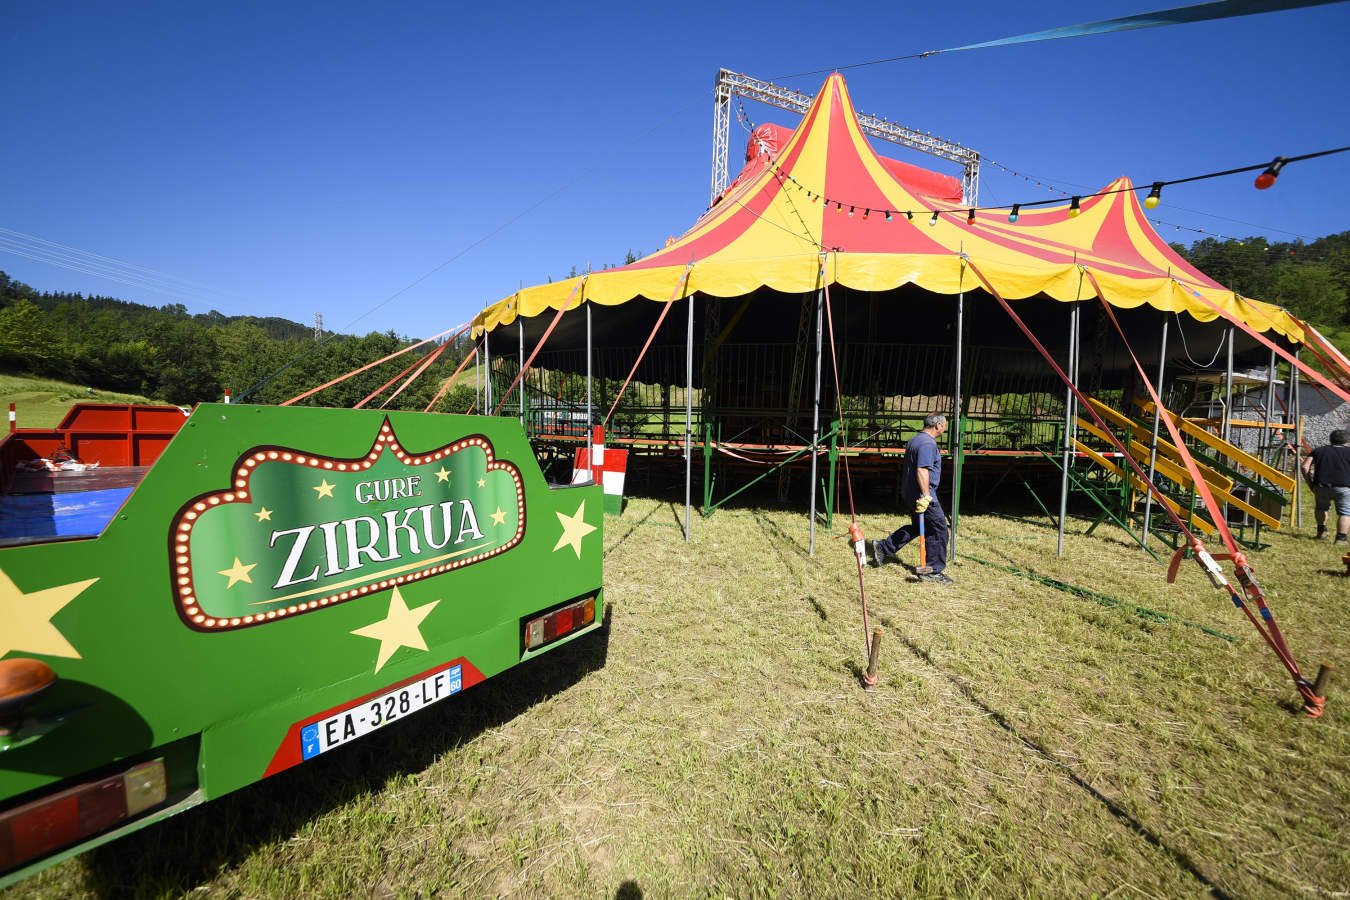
pixel 827 199
pixel 916 273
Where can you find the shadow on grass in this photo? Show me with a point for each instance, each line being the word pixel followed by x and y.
pixel 1122 815
pixel 171 857
pixel 629 533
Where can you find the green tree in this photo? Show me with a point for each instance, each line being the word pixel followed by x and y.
pixel 28 343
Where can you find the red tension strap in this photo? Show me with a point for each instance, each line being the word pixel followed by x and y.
pixel 384 387
pixel 431 358
pixel 540 345
pixel 1176 520
pixel 1318 340
pixel 1271 345
pixel 1245 575
pixel 1201 486
pixel 451 380
pixel 684 280
pixel 369 366
pixel 1211 568
pixel 855 532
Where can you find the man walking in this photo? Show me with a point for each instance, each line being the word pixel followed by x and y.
pixel 918 491
pixel 1328 468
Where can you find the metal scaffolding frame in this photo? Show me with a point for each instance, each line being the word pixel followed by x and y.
pixel 731 84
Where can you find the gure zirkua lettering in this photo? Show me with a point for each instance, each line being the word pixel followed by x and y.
pixel 361 537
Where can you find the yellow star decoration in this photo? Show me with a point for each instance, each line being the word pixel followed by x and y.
pixel 482 482
pixel 237 573
pixel 264 515
pixel 28 618
pixel 400 628
pixel 324 488
pixel 574 528
pixel 499 517
pixel 443 474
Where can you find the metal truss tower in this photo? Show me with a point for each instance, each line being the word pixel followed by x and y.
pixel 731 84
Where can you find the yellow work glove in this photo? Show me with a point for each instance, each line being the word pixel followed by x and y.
pixel 921 504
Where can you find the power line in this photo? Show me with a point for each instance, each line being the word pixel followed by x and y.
pixel 75 259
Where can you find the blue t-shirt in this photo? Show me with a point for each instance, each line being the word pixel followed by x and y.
pixel 920 452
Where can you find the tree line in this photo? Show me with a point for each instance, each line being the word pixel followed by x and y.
pixel 1311 280
pixel 168 354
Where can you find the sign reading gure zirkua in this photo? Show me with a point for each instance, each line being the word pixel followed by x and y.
pixel 297 531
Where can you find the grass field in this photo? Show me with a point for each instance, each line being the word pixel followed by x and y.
pixel 1022 741
pixel 42 403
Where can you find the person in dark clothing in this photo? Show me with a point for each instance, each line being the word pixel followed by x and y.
pixel 1328 468
pixel 918 491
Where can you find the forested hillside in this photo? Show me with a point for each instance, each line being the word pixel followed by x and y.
pixel 1310 280
pixel 166 353
pixel 170 355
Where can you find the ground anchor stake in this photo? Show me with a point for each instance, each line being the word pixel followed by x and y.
pixel 873 651
pixel 1323 680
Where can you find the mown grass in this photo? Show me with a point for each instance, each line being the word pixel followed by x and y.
pixel 42 402
pixel 1022 741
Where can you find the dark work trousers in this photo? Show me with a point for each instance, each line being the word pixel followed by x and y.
pixel 935 532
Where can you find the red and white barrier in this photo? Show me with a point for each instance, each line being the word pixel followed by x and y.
pixel 605 467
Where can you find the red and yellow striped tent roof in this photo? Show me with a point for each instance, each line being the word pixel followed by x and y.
pixel 772 230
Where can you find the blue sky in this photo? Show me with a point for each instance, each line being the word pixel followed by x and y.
pixel 286 159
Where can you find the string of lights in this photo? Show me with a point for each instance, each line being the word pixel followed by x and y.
pixel 1042 182
pixel 745 121
pixel 1270 172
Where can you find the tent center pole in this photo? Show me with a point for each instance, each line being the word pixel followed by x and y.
pixel 1070 415
pixel 956 424
pixel 688 412
pixel 815 419
pixel 1153 446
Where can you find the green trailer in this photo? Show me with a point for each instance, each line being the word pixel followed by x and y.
pixel 277 584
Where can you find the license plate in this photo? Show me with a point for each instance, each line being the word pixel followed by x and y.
pixel 377 712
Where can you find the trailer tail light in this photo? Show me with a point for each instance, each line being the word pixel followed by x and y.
pixel 560 622
pixel 35 829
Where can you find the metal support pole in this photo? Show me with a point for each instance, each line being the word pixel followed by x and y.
pixel 1153 445
pixel 477 377
pixel 520 365
pixel 1227 429
pixel 688 412
pixel 487 376
pixel 815 419
pixel 1070 415
pixel 956 425
pixel 1296 407
pixel 1269 402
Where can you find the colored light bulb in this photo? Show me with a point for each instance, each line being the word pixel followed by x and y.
pixel 888 215
pixel 970 219
pixel 1073 208
pixel 1267 178
pixel 1012 216
pixel 933 221
pixel 1154 196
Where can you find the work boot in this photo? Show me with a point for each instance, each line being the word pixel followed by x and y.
pixel 1340 539
pixel 1321 533
pixel 875 554
pixel 937 578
